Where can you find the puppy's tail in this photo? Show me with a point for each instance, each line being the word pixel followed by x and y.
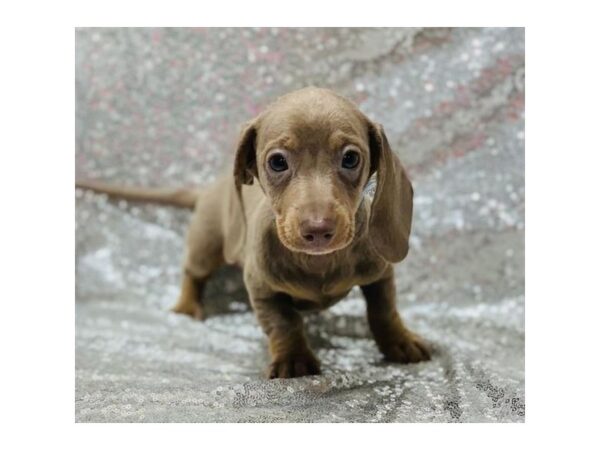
pixel 181 198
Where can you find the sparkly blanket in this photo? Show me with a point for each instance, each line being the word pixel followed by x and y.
pixel 162 107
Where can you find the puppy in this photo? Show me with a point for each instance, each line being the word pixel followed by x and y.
pixel 293 215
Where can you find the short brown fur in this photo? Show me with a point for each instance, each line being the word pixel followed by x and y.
pixel 257 219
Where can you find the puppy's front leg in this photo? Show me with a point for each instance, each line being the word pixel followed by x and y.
pixel 396 342
pixel 290 352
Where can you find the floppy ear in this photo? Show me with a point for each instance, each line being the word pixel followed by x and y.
pixel 244 169
pixel 391 210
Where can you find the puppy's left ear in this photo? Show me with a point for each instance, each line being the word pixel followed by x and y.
pixel 245 169
pixel 391 210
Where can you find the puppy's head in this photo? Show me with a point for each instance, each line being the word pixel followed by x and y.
pixel 313 152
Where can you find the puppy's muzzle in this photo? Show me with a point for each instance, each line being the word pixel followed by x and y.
pixel 315 229
pixel 317 234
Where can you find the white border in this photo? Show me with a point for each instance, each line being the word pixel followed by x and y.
pixel 562 224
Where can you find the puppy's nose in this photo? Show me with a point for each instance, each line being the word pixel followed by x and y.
pixel 317 231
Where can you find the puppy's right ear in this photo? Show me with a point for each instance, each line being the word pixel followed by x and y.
pixel 245 169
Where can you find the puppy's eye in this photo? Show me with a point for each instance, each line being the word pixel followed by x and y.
pixel 350 159
pixel 278 163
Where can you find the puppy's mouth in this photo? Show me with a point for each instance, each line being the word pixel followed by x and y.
pixel 317 251
pixel 315 240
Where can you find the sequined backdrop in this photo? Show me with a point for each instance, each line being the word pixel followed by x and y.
pixel 162 107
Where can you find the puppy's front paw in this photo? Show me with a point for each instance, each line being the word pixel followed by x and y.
pixel 406 347
pixel 291 366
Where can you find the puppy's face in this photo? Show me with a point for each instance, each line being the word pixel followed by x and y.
pixel 312 152
pixel 312 161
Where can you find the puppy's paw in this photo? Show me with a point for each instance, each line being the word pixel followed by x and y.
pixel 291 366
pixel 194 310
pixel 406 348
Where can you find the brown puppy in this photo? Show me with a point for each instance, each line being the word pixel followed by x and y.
pixel 294 216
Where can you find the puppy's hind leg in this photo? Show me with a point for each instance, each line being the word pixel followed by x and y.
pixel 201 262
pixel 190 299
pixel 204 255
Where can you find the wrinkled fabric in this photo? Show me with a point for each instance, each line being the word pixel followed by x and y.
pixel 162 107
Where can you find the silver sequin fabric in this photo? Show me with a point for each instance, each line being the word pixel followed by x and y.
pixel 163 107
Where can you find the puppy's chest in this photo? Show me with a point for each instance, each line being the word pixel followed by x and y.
pixel 314 289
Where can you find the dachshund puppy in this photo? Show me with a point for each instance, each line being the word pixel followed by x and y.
pixel 293 215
